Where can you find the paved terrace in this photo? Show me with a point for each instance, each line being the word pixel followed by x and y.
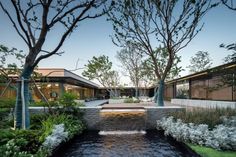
pixel 134 105
pixel 95 103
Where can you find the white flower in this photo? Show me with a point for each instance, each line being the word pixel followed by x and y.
pixel 57 136
pixel 221 137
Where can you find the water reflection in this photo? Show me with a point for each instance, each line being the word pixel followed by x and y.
pixel 91 144
pixel 122 120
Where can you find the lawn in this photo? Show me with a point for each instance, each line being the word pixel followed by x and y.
pixel 209 152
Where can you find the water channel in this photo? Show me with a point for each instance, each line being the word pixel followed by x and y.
pixel 123 134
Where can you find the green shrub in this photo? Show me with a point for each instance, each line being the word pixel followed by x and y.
pixel 72 125
pixel 211 117
pixel 68 100
pixel 131 100
pixel 6 118
pixel 7 103
pixel 44 104
pixel 36 120
pixel 19 142
pixel 29 140
pixel 136 101
pixel 5 136
pixel 11 149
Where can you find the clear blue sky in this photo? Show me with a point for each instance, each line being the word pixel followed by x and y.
pixel 92 39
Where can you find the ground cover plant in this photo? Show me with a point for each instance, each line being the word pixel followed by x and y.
pixel 131 100
pixel 211 117
pixel 210 152
pixel 47 131
pixel 210 132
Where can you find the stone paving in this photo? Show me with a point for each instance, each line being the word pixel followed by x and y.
pixel 134 105
pixel 95 103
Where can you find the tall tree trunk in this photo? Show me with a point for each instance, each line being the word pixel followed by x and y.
pixel 160 99
pixel 111 93
pixel 155 94
pixel 136 92
pixel 27 71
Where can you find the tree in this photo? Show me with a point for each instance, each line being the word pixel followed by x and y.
pixel 231 57
pixel 228 76
pixel 33 20
pixel 147 23
pixel 131 60
pixel 161 57
pixel 7 68
pixel 229 4
pixel 201 61
pixel 99 68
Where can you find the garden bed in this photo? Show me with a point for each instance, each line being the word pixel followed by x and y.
pixel 209 132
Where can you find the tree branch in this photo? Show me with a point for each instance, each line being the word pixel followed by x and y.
pixel 19 21
pixel 64 35
pixel 14 24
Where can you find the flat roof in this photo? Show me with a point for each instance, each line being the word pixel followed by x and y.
pixel 63 73
pixel 205 72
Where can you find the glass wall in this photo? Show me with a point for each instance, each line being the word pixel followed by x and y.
pixel 51 91
pixel 182 89
pixel 81 92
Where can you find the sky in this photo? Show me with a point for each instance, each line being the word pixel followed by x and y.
pixel 92 38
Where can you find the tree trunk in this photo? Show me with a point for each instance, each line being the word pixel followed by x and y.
pixel 160 92
pixel 136 92
pixel 111 93
pixel 155 94
pixel 27 71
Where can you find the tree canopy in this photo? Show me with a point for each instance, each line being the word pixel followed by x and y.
pixel 100 69
pixel 201 61
pixel 148 23
pixel 32 21
pixel 132 62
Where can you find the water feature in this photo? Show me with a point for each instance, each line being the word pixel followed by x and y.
pixel 153 143
pixel 123 133
pixel 123 120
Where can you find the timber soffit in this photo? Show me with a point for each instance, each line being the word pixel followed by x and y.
pixel 205 72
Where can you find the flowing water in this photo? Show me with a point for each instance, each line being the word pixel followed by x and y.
pixel 123 134
pixel 122 120
pixel 151 144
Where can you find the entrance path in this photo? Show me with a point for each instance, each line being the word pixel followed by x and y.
pixel 95 103
pixel 133 105
pixel 104 104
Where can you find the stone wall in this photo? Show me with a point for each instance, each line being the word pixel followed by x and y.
pixel 93 118
pixel 156 113
pixel 204 103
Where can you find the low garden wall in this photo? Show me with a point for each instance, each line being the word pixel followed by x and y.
pixel 156 113
pixel 203 103
pixel 93 118
pixel 92 115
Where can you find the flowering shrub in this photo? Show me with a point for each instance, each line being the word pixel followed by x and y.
pixel 221 137
pixel 209 116
pixel 72 125
pixel 57 136
pixel 13 149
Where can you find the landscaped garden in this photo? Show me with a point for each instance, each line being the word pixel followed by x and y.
pixel 209 132
pixel 151 39
pixel 48 130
